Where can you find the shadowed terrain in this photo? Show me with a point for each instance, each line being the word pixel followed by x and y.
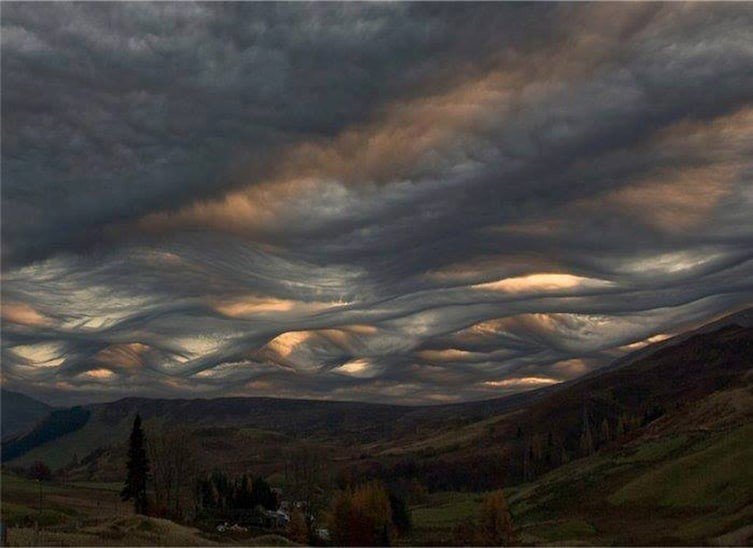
pixel 20 412
pixel 658 442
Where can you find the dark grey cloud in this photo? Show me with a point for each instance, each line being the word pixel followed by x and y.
pixel 395 202
pixel 111 111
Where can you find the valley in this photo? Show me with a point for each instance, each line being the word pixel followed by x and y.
pixel 655 450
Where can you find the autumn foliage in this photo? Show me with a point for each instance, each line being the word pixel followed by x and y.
pixel 297 529
pixel 492 528
pixel 362 516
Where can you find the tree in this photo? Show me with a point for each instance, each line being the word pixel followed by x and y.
pixel 465 533
pixel 586 437
pixel 39 471
pixel 620 429
pixel 362 517
pixel 307 477
pixel 138 469
pixel 372 501
pixel 298 530
pixel 341 521
pixel 218 492
pixel 495 522
pixel 173 468
pixel 417 492
pixel 652 413
pixel 400 514
pixel 262 495
pixel 605 432
pixel 244 495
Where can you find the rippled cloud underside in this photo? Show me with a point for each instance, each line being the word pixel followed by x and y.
pixel 407 203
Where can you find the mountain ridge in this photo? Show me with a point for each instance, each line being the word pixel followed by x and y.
pixel 381 425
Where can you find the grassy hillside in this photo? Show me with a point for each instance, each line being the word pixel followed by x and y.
pixel 705 379
pixel 683 489
pixel 132 531
pixel 91 514
pixel 60 502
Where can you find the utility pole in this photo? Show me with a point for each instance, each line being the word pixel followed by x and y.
pixel 39 510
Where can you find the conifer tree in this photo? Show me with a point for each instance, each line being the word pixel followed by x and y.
pixel 606 434
pixel 586 438
pixel 620 428
pixel 138 469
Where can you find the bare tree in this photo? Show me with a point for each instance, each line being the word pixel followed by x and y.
pixel 307 476
pixel 172 453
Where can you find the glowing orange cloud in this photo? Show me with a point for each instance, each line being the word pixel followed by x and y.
pixel 122 355
pixel 99 374
pixel 540 282
pixel 360 329
pixel 356 368
pixel 24 314
pixel 678 199
pixel 521 382
pixel 484 267
pixel 407 140
pixel 41 354
pixel 241 307
pixel 391 149
pixel 645 342
pixel 448 354
pixel 286 343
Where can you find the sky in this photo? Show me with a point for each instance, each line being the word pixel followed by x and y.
pixel 387 202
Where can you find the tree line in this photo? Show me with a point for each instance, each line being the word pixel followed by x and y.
pixel 357 510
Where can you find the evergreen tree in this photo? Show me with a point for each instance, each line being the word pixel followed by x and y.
pixel 262 495
pixel 586 438
pixel 244 497
pixel 621 427
pixel 400 514
pixel 40 471
pixel 138 469
pixel 606 434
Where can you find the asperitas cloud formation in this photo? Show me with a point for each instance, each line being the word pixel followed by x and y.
pixel 403 203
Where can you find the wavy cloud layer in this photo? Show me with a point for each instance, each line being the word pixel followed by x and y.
pixel 407 203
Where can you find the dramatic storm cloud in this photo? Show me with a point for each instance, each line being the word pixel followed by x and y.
pixel 405 203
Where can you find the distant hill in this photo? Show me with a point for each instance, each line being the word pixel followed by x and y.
pixel 20 412
pixel 55 425
pixel 704 381
pixel 667 379
pixel 65 436
pixel 742 318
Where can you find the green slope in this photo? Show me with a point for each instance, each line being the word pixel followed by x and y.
pixel 718 475
pixel 682 489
